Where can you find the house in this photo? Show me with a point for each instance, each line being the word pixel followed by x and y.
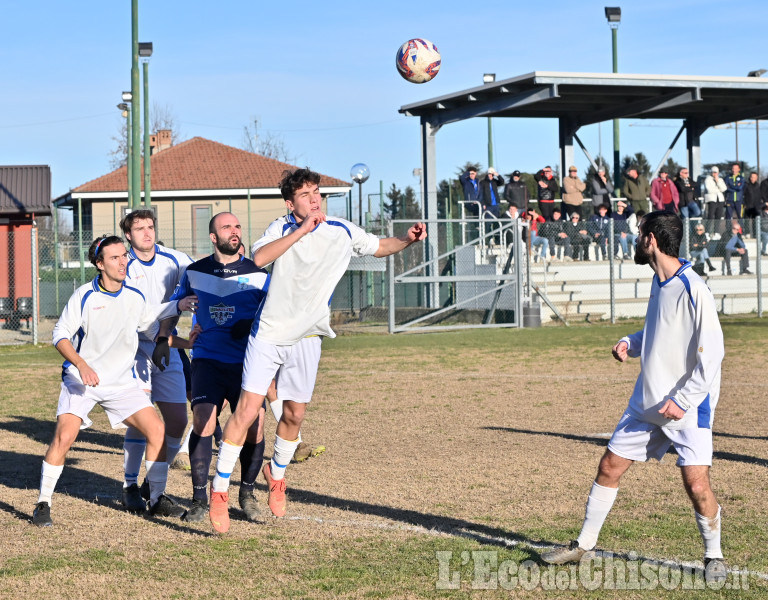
pixel 191 182
pixel 25 194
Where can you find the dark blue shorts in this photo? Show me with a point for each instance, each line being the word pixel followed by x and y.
pixel 214 381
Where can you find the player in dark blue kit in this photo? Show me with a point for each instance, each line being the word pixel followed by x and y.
pixel 230 291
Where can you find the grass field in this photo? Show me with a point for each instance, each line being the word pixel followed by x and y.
pixel 439 446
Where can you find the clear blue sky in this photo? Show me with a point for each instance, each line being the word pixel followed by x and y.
pixel 321 76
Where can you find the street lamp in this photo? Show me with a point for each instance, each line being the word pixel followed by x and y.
pixel 489 78
pixel 613 14
pixel 360 174
pixel 125 109
pixel 757 73
pixel 145 51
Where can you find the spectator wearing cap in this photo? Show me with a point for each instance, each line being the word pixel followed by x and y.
pixel 698 242
pixel 573 189
pixel 490 190
pixel 687 192
pixel 736 245
pixel 734 197
pixel 602 189
pixel 623 237
pixel 636 189
pixel 473 193
pixel 714 199
pixel 664 194
pixel 599 227
pixel 516 191
pixel 547 190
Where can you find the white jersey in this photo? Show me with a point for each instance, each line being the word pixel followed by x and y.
pixel 303 279
pixel 681 350
pixel 102 327
pixel 156 279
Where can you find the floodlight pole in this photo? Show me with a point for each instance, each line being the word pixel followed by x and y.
pixel 145 51
pixel 616 159
pixel 490 78
pixel 135 106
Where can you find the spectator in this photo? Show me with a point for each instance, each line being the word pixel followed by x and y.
pixel 752 203
pixel 664 192
pixel 572 192
pixel 559 242
pixel 490 191
pixel 698 242
pixel 734 199
pixel 736 245
pixel 602 188
pixel 632 223
pixel 764 191
pixel 622 235
pixel 514 214
pixel 473 193
pixel 764 230
pixel 516 191
pixel 547 191
pixel 539 242
pixel 687 192
pixel 636 189
pixel 579 237
pixel 714 199
pixel 599 227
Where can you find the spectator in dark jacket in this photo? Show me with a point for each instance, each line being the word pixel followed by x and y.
pixel 636 189
pixel 752 202
pixel 687 192
pixel 554 231
pixel 473 193
pixel 599 229
pixel 698 242
pixel 490 188
pixel 623 237
pixel 764 191
pixel 516 191
pixel 579 236
pixel 602 188
pixel 547 189
pixel 736 245
pixel 734 196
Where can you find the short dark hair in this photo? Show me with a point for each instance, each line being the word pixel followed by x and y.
pixel 666 227
pixel 96 250
pixel 127 221
pixel 296 179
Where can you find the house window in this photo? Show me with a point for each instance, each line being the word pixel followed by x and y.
pixel 201 216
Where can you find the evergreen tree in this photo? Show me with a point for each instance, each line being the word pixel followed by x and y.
pixel 639 162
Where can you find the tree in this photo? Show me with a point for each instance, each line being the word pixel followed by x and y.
pixel 402 205
pixel 591 172
pixel 160 117
pixel 639 162
pixel 269 144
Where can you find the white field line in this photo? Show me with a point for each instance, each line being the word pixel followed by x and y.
pixel 509 543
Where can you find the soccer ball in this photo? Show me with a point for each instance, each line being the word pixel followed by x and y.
pixel 418 60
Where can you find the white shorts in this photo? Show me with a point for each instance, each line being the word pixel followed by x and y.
pixel 166 386
pixel 119 403
pixel 637 440
pixel 296 366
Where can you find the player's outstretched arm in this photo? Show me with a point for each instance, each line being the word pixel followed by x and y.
pixel 67 350
pixel 393 245
pixel 269 253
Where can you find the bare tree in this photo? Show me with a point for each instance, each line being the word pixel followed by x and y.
pixel 160 117
pixel 269 144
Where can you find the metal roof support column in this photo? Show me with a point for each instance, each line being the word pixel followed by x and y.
pixel 429 196
pixel 567 129
pixel 693 131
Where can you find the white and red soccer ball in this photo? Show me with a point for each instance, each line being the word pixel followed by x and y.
pixel 418 60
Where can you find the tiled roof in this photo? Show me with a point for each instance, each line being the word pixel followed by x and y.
pixel 201 164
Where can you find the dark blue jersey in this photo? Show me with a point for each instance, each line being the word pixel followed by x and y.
pixel 227 294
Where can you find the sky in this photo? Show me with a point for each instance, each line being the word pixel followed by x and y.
pixel 321 77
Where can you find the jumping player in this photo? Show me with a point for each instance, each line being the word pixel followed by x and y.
pixel 673 403
pixel 96 335
pixel 230 290
pixel 155 271
pixel 310 254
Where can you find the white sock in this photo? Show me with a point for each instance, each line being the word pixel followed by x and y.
pixel 157 476
pixel 49 475
pixel 599 505
pixel 185 446
pixel 172 445
pixel 134 445
pixel 282 455
pixel 277 409
pixel 710 533
pixel 228 455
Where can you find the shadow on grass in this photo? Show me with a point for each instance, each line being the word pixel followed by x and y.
pixel 599 441
pixel 41 431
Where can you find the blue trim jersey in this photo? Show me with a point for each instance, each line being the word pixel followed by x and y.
pixel 102 327
pixel 304 277
pixel 156 279
pixel 226 294
pixel 681 351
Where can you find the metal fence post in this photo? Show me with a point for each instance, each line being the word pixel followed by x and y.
pixel 391 269
pixel 35 286
pixel 687 238
pixel 759 266
pixel 611 254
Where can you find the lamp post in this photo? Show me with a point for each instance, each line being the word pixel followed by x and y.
pixel 135 106
pixel 757 73
pixel 613 14
pixel 145 51
pixel 125 107
pixel 489 78
pixel 360 174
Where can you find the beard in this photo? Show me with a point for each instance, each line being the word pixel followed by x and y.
pixel 225 247
pixel 642 256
